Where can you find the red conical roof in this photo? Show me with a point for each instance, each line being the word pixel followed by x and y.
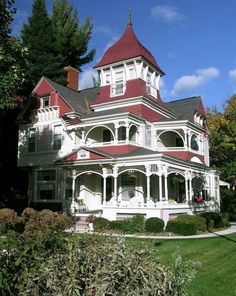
pixel 127 47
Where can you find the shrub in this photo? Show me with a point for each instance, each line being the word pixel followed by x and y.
pixel 228 202
pixel 134 224
pixel 215 219
pixel 8 220
pixel 154 224
pixel 181 227
pixel 198 220
pixel 116 224
pixel 42 224
pixel 100 224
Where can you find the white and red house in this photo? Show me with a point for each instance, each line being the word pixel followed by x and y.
pixel 117 149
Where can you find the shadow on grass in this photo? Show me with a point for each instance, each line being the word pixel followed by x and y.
pixel 223 236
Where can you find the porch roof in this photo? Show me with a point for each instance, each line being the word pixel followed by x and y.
pixel 185 108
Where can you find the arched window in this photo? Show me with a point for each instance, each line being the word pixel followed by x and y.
pixel 194 143
pixel 133 133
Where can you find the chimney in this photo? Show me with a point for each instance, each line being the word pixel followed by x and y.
pixel 72 78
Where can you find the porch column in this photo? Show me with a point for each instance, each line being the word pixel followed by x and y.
pixel 148 188
pixel 148 173
pixel 83 138
pixel 166 186
pixel 186 188
pixel 185 139
pixel 104 170
pixel 127 133
pixel 190 189
pixel 115 177
pixel 73 184
pixel 189 139
pixel 160 187
pixel 116 133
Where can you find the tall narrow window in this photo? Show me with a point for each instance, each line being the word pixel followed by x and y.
pixel 57 137
pixel 32 140
pixel 118 87
pixel 122 133
pixel 107 78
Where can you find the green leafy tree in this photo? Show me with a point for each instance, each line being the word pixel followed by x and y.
pixel 222 126
pixel 72 38
pixel 38 37
pixel 13 63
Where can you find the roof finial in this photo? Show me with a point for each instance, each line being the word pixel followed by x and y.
pixel 129 18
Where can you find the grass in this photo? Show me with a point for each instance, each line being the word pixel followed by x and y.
pixel 216 276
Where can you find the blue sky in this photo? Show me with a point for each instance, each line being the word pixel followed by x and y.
pixel 193 41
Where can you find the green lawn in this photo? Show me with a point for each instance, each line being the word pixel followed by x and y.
pixel 217 275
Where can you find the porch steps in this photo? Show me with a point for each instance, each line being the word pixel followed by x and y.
pixel 81 225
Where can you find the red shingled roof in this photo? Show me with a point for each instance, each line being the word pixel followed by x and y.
pixel 128 46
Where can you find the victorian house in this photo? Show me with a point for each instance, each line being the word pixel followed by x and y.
pixel 117 149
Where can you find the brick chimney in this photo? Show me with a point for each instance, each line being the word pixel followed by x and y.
pixel 72 78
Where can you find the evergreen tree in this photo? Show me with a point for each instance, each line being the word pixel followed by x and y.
pixel 71 37
pixel 38 37
pixel 12 58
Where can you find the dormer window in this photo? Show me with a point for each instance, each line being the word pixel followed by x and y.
pixel 45 102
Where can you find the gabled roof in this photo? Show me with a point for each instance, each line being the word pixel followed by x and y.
pixel 127 47
pixel 78 100
pixel 185 108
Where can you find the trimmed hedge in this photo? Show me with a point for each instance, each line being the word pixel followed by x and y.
pixel 154 224
pixel 100 224
pixel 116 224
pixel 181 227
pixel 134 224
pixel 198 220
pixel 216 219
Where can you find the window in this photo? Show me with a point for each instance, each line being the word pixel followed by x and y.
pixel 45 102
pixel 131 73
pixel 57 137
pixel 106 135
pixel 46 184
pixel 122 133
pixel 118 87
pixel 194 143
pixel 133 133
pixel 107 78
pixel 32 140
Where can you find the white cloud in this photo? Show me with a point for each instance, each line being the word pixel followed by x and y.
pixel 166 13
pixel 189 82
pixel 86 78
pixel 232 74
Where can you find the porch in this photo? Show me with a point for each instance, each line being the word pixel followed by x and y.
pixel 153 190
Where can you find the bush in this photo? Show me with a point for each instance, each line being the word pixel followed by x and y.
pixel 228 202
pixel 90 265
pixel 181 227
pixel 154 224
pixel 215 219
pixel 198 220
pixel 116 224
pixel 134 224
pixel 100 224
pixel 8 220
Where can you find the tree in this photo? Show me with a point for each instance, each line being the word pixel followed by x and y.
pixel 13 63
pixel 38 37
pixel 222 126
pixel 71 37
